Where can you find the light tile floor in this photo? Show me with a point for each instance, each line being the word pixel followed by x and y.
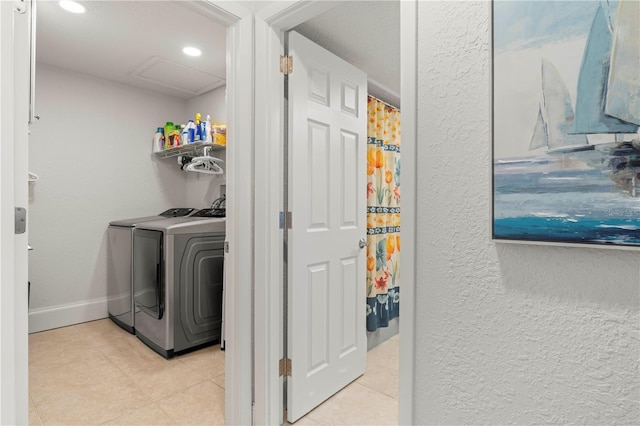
pixel 96 373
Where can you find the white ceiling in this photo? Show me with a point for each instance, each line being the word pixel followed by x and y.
pixel 367 35
pixel 140 43
pixel 135 42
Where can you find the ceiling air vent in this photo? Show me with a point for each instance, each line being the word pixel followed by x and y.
pixel 175 76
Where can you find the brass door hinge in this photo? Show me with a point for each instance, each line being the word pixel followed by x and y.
pixel 285 367
pixel 285 220
pixel 286 64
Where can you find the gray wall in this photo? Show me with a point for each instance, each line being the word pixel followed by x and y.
pixel 203 189
pixel 92 152
pixel 505 334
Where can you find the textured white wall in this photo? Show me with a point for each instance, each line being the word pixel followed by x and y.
pixel 505 334
pixel 92 152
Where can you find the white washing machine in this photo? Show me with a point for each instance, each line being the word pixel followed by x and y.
pixel 120 266
pixel 178 282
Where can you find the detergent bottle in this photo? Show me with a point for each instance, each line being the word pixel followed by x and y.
pixel 158 140
pixel 191 128
pixel 198 127
pixel 168 128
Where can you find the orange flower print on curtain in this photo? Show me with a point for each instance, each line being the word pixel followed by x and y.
pixel 383 213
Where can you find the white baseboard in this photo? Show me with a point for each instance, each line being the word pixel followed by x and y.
pixel 41 319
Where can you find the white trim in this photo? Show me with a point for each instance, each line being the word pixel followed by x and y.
pixel 22 80
pixel 269 90
pixel 409 106
pixel 42 319
pixel 8 324
pixel 240 216
pixel 284 15
pixel 14 115
pixel 384 93
pixel 225 12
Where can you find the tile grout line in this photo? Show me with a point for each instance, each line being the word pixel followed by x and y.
pixel 157 403
pixel 35 407
pixel 129 376
pixel 91 346
pixel 221 387
pixel 374 390
pixel 165 412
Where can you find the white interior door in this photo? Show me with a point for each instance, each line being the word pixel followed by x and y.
pixel 327 197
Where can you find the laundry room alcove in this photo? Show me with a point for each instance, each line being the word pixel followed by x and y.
pixel 106 80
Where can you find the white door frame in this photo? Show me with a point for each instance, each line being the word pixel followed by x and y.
pixel 14 82
pixel 13 291
pixel 10 397
pixel 239 276
pixel 409 227
pixel 270 24
pixel 239 236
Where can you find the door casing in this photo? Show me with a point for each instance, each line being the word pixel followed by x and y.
pixel 271 23
pixel 13 190
pixel 14 82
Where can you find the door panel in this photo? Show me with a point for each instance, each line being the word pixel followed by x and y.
pixel 318 166
pixel 349 179
pixel 348 300
pixel 327 198
pixel 318 290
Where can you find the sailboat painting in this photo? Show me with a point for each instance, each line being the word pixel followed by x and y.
pixel 566 120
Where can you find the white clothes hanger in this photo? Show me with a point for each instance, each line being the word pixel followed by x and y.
pixel 201 167
pixel 205 164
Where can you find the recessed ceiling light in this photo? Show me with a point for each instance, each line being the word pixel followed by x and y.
pixel 72 6
pixel 191 51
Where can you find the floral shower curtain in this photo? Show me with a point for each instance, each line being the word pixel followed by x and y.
pixel 383 214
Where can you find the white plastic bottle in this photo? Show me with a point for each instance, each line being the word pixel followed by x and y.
pixel 158 140
pixel 206 129
pixel 184 135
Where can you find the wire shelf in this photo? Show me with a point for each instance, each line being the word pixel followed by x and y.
pixel 188 149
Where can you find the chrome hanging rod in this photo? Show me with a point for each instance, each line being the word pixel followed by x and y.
pixel 384 102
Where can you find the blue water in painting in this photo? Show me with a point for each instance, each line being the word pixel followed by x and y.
pixel 534 202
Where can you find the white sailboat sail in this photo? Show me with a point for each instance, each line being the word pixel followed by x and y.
pixel 557 113
pixel 623 94
pixel 539 138
pixel 593 81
